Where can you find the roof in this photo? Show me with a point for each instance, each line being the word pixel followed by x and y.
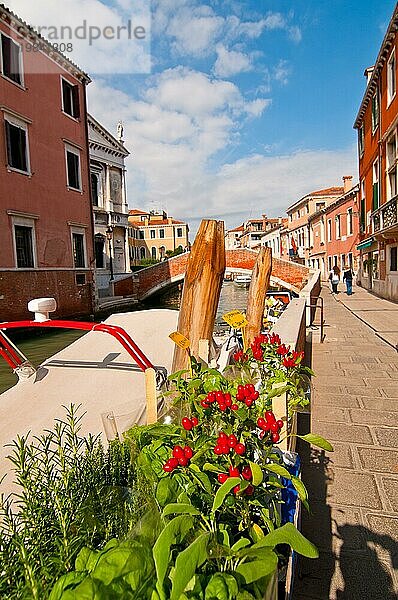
pixel 157 223
pixel 26 30
pixel 381 58
pixel 135 211
pixel 331 191
pixel 336 203
pixel 96 125
pixel 240 228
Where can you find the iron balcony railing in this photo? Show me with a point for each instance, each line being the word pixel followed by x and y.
pixel 386 215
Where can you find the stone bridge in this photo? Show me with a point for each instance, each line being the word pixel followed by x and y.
pixel 151 280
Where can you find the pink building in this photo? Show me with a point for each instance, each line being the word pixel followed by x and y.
pixel 45 198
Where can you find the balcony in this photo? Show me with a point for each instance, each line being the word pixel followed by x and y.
pixel 385 218
pixel 114 219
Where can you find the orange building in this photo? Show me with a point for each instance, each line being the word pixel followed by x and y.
pixel 377 125
pixel 45 205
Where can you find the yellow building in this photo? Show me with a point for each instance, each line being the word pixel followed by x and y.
pixel 154 235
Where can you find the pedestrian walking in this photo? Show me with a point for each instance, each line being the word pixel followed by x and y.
pixel 348 277
pixel 334 278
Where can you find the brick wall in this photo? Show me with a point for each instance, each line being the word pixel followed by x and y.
pixel 18 287
pixel 147 279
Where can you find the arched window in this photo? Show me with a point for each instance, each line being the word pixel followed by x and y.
pixel 153 252
pixel 142 251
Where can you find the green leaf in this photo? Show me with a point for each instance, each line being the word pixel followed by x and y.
pixel 176 508
pixel 278 470
pixel 257 473
pixel 317 440
pixel 173 533
pixel 289 534
pixel 278 391
pixel 126 557
pixel 224 491
pixel 86 560
pixel 203 481
pixel 257 569
pixel 241 543
pixel 300 488
pixel 187 563
pixel 66 582
pixel 213 468
pixel 166 491
pixel 221 587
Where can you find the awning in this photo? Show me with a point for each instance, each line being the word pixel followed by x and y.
pixel 365 244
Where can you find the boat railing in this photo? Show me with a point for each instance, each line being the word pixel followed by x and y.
pixel 154 376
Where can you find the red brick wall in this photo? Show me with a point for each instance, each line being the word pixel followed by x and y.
pixel 143 281
pixel 18 287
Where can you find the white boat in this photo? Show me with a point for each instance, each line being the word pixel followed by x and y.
pixel 242 280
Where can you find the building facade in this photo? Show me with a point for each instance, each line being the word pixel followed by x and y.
pixel 334 231
pixel 109 201
pixel 45 205
pixel 274 238
pixel 377 126
pixel 233 238
pixel 299 214
pixel 153 235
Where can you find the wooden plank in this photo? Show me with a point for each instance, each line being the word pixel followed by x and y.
pixel 151 396
pixel 257 292
pixel 202 287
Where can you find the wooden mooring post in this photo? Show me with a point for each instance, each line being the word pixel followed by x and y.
pixel 202 287
pixel 257 293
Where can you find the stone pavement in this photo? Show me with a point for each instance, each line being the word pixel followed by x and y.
pixel 381 315
pixel 353 492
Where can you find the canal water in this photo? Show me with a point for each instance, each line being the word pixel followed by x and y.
pixel 40 347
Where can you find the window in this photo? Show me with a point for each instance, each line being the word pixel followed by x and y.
pixel 99 251
pixel 94 188
pixel 361 140
pixel 363 208
pixel 73 168
pixel 79 258
pixel 329 263
pixel 375 111
pixel 70 99
pixel 11 59
pixel 375 192
pixel 142 252
pixel 24 246
pixel 141 234
pixel 391 152
pixel 179 232
pixel 161 233
pixel 329 230
pixel 391 78
pixel 338 226
pixel 393 258
pixel 154 252
pixel 17 145
pixel 153 234
pixel 350 261
pixel 349 221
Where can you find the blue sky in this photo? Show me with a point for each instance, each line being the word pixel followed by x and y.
pixel 249 105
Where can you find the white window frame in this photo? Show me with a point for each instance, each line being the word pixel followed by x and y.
pixel 375 124
pixel 391 163
pixel 329 229
pixel 24 222
pixel 350 222
pixel 62 78
pixel 76 151
pixel 375 181
pixel 391 93
pixel 24 126
pixel 388 253
pixel 361 140
pixel 21 64
pixel 79 231
pixel 337 221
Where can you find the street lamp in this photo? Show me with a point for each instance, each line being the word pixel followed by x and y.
pixel 109 235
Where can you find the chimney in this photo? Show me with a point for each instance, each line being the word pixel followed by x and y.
pixel 265 219
pixel 347 180
pixel 368 73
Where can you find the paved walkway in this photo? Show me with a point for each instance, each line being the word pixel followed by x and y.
pixel 381 315
pixel 353 491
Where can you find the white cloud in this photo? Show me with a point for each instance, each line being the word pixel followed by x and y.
pixel 231 62
pixel 194 31
pixel 281 72
pixel 84 22
pixel 173 150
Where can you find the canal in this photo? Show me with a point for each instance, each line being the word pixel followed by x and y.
pixel 39 348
